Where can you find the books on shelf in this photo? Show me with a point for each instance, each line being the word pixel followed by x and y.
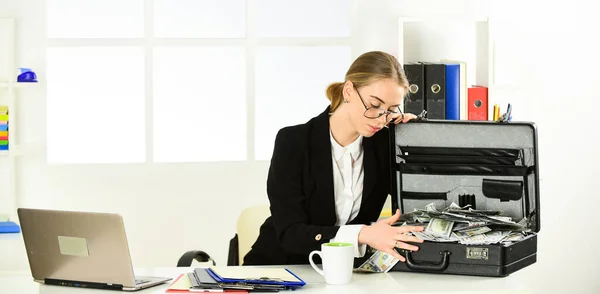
pixel 449 63
pixel 3 128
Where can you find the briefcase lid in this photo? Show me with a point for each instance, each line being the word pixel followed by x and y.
pixel 491 165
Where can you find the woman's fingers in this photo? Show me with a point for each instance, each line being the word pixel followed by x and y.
pixel 404 118
pixel 394 218
pixel 406 246
pixel 395 254
pixel 408 238
pixel 408 116
pixel 406 229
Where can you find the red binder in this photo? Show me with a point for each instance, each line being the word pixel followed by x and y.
pixel 478 103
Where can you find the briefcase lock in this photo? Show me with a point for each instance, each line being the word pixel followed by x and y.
pixel 477 253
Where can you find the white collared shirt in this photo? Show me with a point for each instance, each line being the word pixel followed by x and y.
pixel 348 178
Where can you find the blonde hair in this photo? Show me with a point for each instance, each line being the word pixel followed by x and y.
pixel 367 68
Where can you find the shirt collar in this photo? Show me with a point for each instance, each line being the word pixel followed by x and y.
pixel 355 148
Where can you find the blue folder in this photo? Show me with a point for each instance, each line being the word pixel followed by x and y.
pixel 255 280
pixel 9 227
pixel 453 91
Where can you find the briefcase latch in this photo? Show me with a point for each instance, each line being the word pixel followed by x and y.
pixel 477 253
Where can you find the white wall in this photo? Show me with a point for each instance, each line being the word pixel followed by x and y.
pixel 171 208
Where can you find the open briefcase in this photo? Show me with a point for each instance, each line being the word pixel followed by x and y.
pixel 480 167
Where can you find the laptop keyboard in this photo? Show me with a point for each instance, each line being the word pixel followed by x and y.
pixel 137 282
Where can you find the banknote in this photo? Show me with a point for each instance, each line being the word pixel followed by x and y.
pixel 379 262
pixel 472 232
pixel 439 227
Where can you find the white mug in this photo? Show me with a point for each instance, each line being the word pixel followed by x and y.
pixel 338 262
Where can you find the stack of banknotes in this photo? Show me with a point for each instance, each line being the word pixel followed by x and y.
pixel 454 224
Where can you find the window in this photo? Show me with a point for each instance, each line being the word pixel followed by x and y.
pixel 95 19
pixel 290 87
pixel 96 104
pixel 199 19
pixel 187 80
pixel 198 114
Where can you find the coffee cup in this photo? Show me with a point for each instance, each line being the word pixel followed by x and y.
pixel 337 261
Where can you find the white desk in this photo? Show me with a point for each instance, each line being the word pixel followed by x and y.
pixel 396 282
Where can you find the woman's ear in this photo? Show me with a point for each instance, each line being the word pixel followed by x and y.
pixel 347 91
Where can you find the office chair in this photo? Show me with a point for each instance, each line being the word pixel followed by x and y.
pixel 200 256
pixel 247 230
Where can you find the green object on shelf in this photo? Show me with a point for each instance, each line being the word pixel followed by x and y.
pixel 3 142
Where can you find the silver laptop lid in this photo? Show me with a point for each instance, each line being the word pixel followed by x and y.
pixel 76 246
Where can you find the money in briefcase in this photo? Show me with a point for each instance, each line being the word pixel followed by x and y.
pixel 474 186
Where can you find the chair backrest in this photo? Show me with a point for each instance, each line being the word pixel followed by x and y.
pixel 248 226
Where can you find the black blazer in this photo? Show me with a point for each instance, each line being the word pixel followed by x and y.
pixel 300 191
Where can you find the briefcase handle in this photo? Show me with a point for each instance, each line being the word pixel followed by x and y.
pixel 427 266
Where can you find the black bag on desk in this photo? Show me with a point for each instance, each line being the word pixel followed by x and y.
pixel 488 165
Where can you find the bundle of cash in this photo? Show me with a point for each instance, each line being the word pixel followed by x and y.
pixel 453 224
pixel 379 262
pixel 465 225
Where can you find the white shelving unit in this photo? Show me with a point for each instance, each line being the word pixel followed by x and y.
pixel 433 39
pixel 9 89
pixel 7 97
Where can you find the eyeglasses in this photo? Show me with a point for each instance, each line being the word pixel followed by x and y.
pixel 376 112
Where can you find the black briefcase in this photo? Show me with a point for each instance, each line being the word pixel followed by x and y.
pixel 483 165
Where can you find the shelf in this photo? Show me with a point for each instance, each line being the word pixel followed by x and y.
pixel 4 85
pixel 26 85
pixel 434 39
pixel 14 151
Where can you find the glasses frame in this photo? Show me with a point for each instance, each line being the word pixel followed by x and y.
pixel 381 112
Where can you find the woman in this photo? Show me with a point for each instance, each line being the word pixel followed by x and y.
pixel 329 178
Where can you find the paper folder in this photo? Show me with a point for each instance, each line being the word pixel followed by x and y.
pixel 182 284
pixel 255 275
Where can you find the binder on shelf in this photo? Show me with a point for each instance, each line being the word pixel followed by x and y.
pixel 435 90
pixel 415 99
pixel 478 103
pixel 463 101
pixel 452 91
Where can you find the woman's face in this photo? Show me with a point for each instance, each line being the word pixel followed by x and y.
pixel 380 96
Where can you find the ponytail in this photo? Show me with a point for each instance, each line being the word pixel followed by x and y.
pixel 335 95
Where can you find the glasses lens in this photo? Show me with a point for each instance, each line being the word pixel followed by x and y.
pixel 373 113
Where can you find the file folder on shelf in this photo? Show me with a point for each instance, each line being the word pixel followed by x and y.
pixel 9 227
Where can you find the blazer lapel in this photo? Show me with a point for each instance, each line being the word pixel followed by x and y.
pixel 322 166
pixel 370 168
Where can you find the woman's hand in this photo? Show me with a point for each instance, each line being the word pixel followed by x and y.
pixel 384 237
pixel 404 118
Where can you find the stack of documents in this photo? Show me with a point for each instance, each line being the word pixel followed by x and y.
pixel 238 279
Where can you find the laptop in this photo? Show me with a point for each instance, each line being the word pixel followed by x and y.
pixel 80 249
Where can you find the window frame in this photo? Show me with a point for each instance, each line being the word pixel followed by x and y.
pixel 251 43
